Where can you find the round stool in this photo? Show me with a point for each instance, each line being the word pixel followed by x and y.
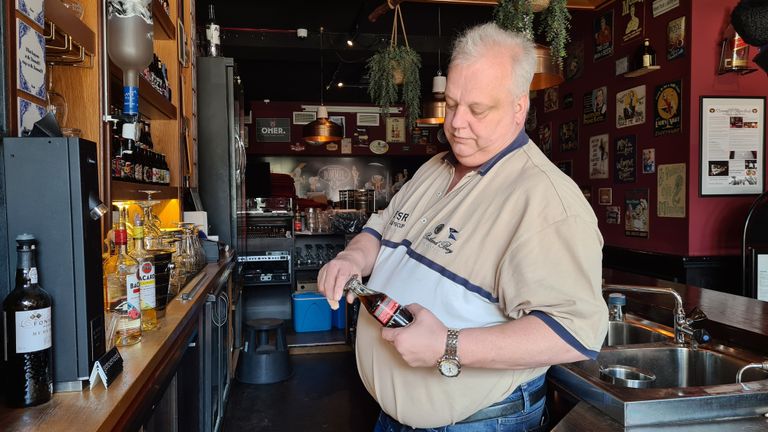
pixel 264 359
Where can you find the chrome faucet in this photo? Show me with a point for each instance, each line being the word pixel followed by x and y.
pixel 682 322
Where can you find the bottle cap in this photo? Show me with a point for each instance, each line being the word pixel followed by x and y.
pixel 25 237
pixel 617 299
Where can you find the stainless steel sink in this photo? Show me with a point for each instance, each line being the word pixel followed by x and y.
pixel 675 366
pixel 630 333
pixel 678 383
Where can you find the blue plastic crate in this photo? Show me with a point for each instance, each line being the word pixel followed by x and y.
pixel 311 312
pixel 339 316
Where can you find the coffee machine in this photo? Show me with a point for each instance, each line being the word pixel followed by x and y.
pixel 49 187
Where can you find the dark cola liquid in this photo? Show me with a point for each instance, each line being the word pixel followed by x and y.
pixel 387 312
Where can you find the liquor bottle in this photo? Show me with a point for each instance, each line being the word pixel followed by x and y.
pixel 212 37
pixel 123 290
pixel 387 311
pixel 27 321
pixel 146 276
pixel 166 172
pixel 647 54
pixel 297 225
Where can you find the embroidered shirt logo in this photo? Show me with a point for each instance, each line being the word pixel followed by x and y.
pixel 398 219
pixel 441 238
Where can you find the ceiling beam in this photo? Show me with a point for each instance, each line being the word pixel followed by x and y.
pixel 390 4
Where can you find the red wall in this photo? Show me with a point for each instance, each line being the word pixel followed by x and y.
pixel 716 224
pixel 712 225
pixel 666 235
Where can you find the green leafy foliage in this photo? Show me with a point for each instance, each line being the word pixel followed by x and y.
pixel 554 23
pixel 382 88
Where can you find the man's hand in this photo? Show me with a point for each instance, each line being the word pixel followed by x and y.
pixel 333 276
pixel 422 342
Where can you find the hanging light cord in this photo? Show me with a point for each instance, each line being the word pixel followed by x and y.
pixel 321 66
pixel 439 42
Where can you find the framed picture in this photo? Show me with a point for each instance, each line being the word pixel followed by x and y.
pixel 566 166
pixel 368 119
pixel 759 276
pixel 182 44
pixel 340 120
pixel 395 129
pixel 732 145
pixel 605 196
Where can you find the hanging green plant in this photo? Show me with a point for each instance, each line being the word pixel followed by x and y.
pixel 393 75
pixel 554 22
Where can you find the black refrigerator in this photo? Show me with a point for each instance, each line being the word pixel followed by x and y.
pixel 221 151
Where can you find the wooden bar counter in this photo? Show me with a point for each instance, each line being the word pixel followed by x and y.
pixel 148 367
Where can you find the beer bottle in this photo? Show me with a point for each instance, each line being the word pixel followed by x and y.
pixel 387 311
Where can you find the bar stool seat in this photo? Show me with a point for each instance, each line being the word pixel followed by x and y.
pixel 265 357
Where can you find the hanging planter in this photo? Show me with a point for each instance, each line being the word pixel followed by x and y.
pixel 393 74
pixel 554 23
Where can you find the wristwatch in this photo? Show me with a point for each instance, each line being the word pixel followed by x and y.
pixel 449 365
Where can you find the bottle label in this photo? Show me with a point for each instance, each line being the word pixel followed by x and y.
pixel 130 100
pixel 133 302
pixel 147 283
pixel 212 34
pixel 386 310
pixel 33 330
pixel 32 274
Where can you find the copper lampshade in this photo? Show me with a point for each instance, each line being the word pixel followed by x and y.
pixel 322 130
pixel 547 74
pixel 433 110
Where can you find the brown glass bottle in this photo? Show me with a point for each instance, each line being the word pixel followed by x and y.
pixel 387 311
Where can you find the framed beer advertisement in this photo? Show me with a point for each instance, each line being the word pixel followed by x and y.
pixel 732 140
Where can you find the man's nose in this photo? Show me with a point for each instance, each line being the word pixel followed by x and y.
pixel 459 118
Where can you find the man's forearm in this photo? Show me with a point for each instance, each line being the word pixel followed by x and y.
pixel 363 250
pixel 521 344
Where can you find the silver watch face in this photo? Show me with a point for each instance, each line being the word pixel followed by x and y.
pixel 449 367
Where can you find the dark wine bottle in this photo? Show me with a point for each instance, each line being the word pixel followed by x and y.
pixel 27 323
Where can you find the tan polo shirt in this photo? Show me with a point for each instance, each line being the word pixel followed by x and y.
pixel 514 237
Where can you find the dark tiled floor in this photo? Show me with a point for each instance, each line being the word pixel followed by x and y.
pixel 324 394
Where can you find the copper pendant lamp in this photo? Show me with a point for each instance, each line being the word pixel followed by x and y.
pixel 547 73
pixel 322 130
pixel 433 109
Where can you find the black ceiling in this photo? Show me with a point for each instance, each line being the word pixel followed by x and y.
pixel 275 64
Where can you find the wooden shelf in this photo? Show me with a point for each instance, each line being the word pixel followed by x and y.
pixel 163 26
pixel 152 104
pixel 66 22
pixel 641 71
pixel 122 190
pixel 156 106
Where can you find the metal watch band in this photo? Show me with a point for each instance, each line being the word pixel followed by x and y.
pixel 452 344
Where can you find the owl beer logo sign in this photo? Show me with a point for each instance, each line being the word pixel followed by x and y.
pixel 443 237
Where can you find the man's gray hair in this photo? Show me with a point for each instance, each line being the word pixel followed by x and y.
pixel 518 49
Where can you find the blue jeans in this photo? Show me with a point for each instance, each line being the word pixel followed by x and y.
pixel 527 420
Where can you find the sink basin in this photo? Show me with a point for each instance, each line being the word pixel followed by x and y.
pixel 627 333
pixel 662 383
pixel 675 366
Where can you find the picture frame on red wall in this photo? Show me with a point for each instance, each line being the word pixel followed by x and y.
pixel 732 145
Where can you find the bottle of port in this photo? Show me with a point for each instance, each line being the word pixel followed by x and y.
pixel 123 290
pixel 212 34
pixel 146 276
pixel 647 54
pixel 28 335
pixel 387 311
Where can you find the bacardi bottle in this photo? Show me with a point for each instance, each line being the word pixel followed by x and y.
pixel 28 336
pixel 387 311
pixel 123 290
pixel 146 276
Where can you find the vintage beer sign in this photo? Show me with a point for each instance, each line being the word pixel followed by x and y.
pixel 667 114
pixel 626 156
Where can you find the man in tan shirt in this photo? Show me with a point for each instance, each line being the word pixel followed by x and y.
pixel 494 250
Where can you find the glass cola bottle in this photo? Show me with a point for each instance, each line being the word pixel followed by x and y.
pixel 386 310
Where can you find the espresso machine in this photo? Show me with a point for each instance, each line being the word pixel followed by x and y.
pixel 50 187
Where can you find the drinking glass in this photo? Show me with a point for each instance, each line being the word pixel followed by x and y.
pixel 57 104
